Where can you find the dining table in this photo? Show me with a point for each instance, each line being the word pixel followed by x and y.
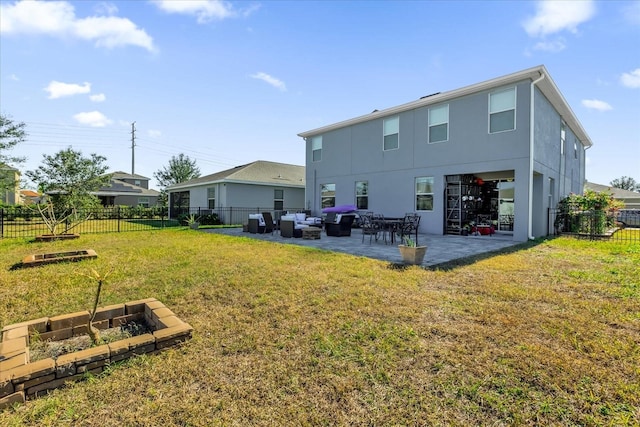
pixel 390 225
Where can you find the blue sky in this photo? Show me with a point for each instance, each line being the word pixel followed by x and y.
pixel 228 83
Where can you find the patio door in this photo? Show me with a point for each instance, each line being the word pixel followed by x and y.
pixel 506 192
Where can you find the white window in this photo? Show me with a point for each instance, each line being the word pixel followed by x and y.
pixel 328 195
pixel 502 110
pixel 143 201
pixel 575 149
pixel 136 182
pixel 316 148
pixel 362 194
pixel 424 193
pixel 278 199
pixel 211 197
pixel 391 134
pixel 563 137
pixel 439 124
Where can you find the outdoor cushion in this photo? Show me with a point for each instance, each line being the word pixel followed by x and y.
pixel 259 217
pixel 301 217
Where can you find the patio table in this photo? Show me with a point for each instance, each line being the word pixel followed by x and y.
pixel 390 225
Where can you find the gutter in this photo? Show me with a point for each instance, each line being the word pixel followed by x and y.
pixel 532 116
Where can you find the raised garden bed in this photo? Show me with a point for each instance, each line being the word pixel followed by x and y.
pixel 21 379
pixel 34 260
pixel 52 237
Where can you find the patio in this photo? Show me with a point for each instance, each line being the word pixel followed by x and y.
pixel 441 249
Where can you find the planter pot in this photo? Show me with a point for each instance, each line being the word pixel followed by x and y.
pixel 413 255
pixel 52 237
pixel 194 225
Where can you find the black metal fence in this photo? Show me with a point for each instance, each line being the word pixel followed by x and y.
pixel 616 226
pixel 229 215
pixel 26 221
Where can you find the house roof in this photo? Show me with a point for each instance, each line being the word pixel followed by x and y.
pixel 259 172
pixel 546 86
pixel 29 193
pixel 618 193
pixel 125 175
pixel 117 187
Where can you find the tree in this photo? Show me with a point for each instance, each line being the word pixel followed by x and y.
pixel 68 179
pixel 11 134
pixel 625 183
pixel 180 169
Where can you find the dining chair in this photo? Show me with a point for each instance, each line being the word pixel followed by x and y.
pixel 369 227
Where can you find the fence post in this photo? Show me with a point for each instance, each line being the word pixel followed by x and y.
pixel 1 223
pixel 118 216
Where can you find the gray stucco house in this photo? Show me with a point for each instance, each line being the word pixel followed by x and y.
pixel 499 152
pixel 267 185
pixel 127 189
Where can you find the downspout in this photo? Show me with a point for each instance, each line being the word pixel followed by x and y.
pixel 532 117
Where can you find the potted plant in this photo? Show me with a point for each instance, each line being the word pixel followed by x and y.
pixel 193 222
pixel 412 253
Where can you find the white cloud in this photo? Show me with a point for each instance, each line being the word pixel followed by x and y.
pixel 14 78
pixel 99 97
pixel 93 119
pixel 596 104
pixel 631 79
pixel 551 46
pixel 556 16
pixel 57 18
pixel 204 10
pixel 279 84
pixel 154 133
pixel 59 89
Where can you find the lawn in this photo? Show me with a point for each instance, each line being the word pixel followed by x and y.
pixel 286 335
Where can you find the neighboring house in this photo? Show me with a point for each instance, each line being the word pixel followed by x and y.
pixel 29 197
pixel 127 189
pixel 9 185
pixel 631 199
pixel 263 184
pixel 501 152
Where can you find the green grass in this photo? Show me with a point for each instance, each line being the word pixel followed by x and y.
pixel 286 335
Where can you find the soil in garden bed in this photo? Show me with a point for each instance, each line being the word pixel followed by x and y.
pixel 39 350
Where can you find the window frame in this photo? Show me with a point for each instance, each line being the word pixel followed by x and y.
pixel 324 189
pixel 210 199
pixel 419 195
pixel 362 195
pixel 563 137
pixel 316 147
pixel 385 134
pixel 278 202
pixel 515 105
pixel 433 125
pixel 144 201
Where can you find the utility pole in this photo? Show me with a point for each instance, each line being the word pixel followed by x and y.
pixel 133 149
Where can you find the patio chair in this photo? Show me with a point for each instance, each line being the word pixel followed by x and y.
pixel 269 225
pixel 288 228
pixel 342 227
pixel 410 225
pixel 369 227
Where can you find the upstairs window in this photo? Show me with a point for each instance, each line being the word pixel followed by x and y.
pixel 563 137
pixel 278 199
pixel 211 197
pixel 316 148
pixel 439 124
pixel 391 134
pixel 362 194
pixel 328 195
pixel 502 110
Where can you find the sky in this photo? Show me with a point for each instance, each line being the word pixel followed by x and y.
pixel 229 83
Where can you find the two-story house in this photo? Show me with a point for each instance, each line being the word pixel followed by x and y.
pixel 126 189
pixel 9 185
pixel 501 151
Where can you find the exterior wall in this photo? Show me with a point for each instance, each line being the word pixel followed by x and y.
pixel 133 200
pixel 9 196
pixel 355 153
pixel 245 195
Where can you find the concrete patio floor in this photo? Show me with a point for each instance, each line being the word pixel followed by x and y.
pixel 440 249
